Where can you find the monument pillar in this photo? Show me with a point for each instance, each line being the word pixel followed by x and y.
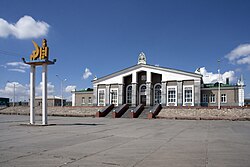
pixel 32 93
pixel 44 95
pixel 41 53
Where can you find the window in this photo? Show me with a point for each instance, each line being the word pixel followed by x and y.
pixel 205 98
pixel 188 94
pixel 212 98
pixel 171 95
pixel 83 100
pixel 101 97
pixel 143 88
pixel 114 97
pixel 129 94
pixel 143 77
pixel 90 100
pixel 223 98
pixel 157 94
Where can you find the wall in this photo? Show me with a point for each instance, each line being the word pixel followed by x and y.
pixel 86 95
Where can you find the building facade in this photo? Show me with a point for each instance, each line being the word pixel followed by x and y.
pixel 150 85
pixel 230 95
pixel 82 97
pixel 52 101
pixel 4 101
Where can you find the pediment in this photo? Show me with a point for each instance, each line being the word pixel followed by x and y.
pixel 145 67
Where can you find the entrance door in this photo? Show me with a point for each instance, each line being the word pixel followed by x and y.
pixel 143 100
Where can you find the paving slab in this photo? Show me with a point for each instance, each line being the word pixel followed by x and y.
pixel 85 141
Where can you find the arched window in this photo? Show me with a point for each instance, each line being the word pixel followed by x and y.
pixel 143 88
pixel 129 94
pixel 157 94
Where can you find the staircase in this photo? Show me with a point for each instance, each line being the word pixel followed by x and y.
pixel 144 114
pixel 127 114
pixel 110 113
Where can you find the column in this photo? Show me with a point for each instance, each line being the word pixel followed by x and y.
pixel 148 94
pixel 107 98
pixel 179 93
pixel 241 94
pixel 32 93
pixel 94 100
pixel 163 93
pixel 148 91
pixel 44 95
pixel 120 94
pixel 74 98
pixel 134 94
pixel 197 92
pixel 134 89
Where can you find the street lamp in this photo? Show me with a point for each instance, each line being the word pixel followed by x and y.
pixel 14 92
pixel 62 80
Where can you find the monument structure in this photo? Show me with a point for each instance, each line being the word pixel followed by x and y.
pixel 39 57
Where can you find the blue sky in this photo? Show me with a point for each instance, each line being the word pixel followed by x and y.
pixel 106 36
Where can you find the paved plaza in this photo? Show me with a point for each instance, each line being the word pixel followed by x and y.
pixel 94 142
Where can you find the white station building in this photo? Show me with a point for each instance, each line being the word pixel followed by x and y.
pixel 149 85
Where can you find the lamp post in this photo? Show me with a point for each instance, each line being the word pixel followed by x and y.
pixel 62 80
pixel 219 85
pixel 14 92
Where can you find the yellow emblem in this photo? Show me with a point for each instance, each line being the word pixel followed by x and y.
pixel 42 53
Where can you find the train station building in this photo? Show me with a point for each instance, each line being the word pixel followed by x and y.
pixel 149 85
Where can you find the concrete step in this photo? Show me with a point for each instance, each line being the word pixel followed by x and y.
pixel 110 113
pixel 127 114
pixel 120 111
pixel 144 114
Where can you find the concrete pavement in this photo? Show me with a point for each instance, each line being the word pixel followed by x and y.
pixel 76 141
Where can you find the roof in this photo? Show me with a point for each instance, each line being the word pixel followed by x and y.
pixel 147 66
pixel 4 97
pixel 215 85
pixel 49 97
pixel 88 90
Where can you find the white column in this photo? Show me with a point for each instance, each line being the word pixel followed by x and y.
pixel 74 98
pixel 197 92
pixel 180 95
pixel 163 93
pixel 120 94
pixel 94 101
pixel 108 101
pixel 134 89
pixel 241 96
pixel 134 94
pixel 44 95
pixel 32 93
pixel 149 94
pixel 149 91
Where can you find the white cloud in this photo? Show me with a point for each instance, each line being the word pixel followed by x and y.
pixel 209 77
pixel 17 70
pixel 50 89
pixel 25 27
pixel 69 88
pixel 21 91
pixel 87 73
pixel 16 66
pixel 240 55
